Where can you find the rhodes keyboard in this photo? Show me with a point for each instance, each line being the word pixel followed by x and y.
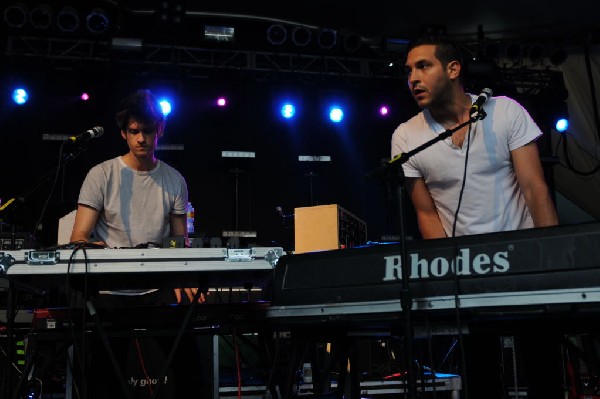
pixel 140 268
pixel 499 271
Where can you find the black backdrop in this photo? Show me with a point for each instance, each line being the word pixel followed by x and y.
pixel 222 201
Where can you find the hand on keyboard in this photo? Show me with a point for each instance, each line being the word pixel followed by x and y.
pixel 190 294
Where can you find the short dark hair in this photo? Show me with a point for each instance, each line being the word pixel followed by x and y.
pixel 445 49
pixel 143 106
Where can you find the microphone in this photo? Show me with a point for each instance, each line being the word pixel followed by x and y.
pixel 279 211
pixel 94 132
pixel 483 97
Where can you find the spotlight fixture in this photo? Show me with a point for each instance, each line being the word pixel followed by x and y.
pixel 219 33
pixel 15 15
pixel 127 44
pixel 557 56
pixel 40 16
pixel 351 42
pixel 301 36
pixel 171 13
pixel 491 51
pixel 276 34
pixel 536 52
pixel 97 21
pixel 327 39
pixel 513 51
pixel 67 20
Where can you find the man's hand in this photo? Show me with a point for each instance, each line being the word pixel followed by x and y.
pixel 190 293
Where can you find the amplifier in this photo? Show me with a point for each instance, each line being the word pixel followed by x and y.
pixel 326 227
pixel 16 241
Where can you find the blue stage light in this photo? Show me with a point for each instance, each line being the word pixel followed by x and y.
pixel 561 125
pixel 166 107
pixel 20 96
pixel 288 110
pixel 336 114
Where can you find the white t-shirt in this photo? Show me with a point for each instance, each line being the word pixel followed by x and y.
pixel 135 206
pixel 492 200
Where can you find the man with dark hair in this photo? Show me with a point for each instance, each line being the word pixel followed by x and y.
pixel 129 201
pixel 485 177
pixel 134 199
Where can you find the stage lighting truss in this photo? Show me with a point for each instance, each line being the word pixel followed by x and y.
pixel 42 17
pixel 522 53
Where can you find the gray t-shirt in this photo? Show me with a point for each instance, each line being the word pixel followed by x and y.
pixel 135 206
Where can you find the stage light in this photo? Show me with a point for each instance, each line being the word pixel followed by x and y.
pixel 15 15
pixel 40 17
pixel 219 33
pixel 557 56
pixel 67 20
pixel 170 13
pixel 276 34
pixel 561 125
pixel 84 96
pixel 165 105
pixel 20 96
pixel 288 110
pixel 97 21
pixel 301 36
pixel 351 42
pixel 535 53
pixel 127 44
pixel 336 114
pixel 491 50
pixel 327 39
pixel 221 101
pixel 384 110
pixel 513 51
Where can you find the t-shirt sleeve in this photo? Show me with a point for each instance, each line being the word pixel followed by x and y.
pixel 523 128
pixel 93 189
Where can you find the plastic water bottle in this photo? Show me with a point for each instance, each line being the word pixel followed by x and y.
pixel 189 210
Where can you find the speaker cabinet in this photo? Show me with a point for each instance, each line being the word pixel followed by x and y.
pixel 327 227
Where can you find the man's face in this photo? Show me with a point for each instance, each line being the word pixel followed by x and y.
pixel 141 138
pixel 427 78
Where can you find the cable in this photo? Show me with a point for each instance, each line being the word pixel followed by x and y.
pixel 455 256
pixel 143 365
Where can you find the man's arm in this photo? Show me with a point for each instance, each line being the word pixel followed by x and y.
pixel 85 220
pixel 528 168
pixel 179 227
pixel 429 221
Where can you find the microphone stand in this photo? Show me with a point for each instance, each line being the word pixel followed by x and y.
pixel 391 172
pixel 9 207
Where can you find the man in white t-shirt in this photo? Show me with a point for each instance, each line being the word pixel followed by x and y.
pixel 485 177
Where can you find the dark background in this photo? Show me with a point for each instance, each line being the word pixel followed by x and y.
pixel 243 194
pixel 223 199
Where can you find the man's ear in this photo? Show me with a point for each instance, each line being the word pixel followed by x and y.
pixel 124 134
pixel 453 69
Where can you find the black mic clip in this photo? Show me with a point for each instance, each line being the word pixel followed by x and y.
pixel 478 115
pixel 477 111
